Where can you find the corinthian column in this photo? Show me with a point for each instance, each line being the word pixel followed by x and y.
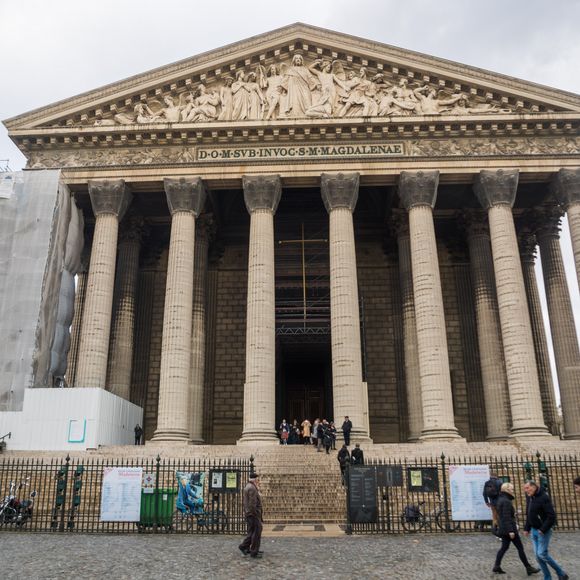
pixel 185 198
pixel 412 376
pixel 202 235
pixel 564 337
pixel 122 335
pixel 527 243
pixel 110 200
pixel 566 187
pixel 418 193
pixel 262 195
pixel 340 194
pixel 493 371
pixel 496 191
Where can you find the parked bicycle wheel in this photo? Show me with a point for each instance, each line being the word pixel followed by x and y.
pixel 442 523
pixel 214 521
pixel 413 522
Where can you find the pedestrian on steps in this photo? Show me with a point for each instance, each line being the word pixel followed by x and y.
pixel 343 460
pixel 346 429
pixel 306 431
pixel 357 456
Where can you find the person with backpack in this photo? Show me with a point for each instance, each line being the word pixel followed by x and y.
pixel 508 530
pixel 343 460
pixel 491 490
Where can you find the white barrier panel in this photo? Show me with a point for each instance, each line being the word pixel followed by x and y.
pixel 70 419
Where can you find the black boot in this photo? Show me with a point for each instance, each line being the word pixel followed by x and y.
pixel 531 570
pixel 498 570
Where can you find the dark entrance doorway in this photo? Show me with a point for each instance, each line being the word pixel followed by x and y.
pixel 304 381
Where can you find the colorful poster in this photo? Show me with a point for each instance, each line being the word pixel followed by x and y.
pixel 190 492
pixel 466 483
pixel 121 494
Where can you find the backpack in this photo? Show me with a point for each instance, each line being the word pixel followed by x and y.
pixel 491 489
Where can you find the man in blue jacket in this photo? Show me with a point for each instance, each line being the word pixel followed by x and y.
pixel 540 518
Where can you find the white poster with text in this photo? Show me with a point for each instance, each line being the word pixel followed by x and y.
pixel 466 483
pixel 121 494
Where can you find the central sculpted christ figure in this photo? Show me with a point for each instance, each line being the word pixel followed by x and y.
pixel 298 82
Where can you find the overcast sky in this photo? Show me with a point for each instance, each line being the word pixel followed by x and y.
pixel 54 49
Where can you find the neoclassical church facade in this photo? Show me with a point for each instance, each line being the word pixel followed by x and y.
pixel 307 224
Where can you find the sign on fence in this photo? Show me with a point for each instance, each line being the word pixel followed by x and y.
pixel 389 475
pixel 422 479
pixel 362 495
pixel 224 481
pixel 121 494
pixel 466 483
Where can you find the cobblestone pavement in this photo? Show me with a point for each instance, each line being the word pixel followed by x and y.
pixel 436 557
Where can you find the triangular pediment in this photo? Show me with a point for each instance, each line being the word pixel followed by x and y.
pixel 297 72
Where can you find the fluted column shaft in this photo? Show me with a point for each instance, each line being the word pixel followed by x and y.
pixel 564 336
pixel 123 333
pixel 418 192
pixel 496 191
pixel 75 332
pixel 262 195
pixel 412 375
pixel 527 241
pixel 198 333
pixel 185 198
pixel 109 200
pixel 493 371
pixel 566 187
pixel 340 194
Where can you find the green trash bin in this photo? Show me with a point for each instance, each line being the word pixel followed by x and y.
pixel 165 500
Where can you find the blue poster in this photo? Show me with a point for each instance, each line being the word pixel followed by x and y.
pixel 190 492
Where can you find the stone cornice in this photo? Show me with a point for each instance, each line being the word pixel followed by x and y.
pixel 303 37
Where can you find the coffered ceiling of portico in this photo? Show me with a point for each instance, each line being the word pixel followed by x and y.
pixel 297 74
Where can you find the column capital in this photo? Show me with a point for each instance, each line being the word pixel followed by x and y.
pixel 262 192
pixel 566 186
pixel 109 196
pixel 474 222
pixel 418 188
pixel 547 222
pixel 185 194
pixel 527 244
pixel 132 229
pixel 206 227
pixel 339 190
pixel 496 187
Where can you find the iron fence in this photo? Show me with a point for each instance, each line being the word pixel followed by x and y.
pixel 389 496
pixel 69 494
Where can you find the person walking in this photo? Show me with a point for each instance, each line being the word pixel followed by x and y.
pixel 138 434
pixel 346 429
pixel 319 435
pixel 508 530
pixel 314 433
pixel 252 502
pixel 343 460
pixel 491 489
pixel 540 519
pixel 333 434
pixel 326 437
pixel 284 431
pixel 306 431
pixel 357 456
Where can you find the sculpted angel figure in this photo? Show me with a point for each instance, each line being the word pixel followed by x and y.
pixel 145 115
pixel 171 111
pixel 200 107
pixel 462 107
pixel 430 104
pixel 326 102
pixel 298 82
pixel 255 97
pixel 403 94
pixel 271 81
pixel 226 100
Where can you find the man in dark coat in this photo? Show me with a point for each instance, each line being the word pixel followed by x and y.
pixel 540 518
pixel 508 530
pixel 346 429
pixel 343 460
pixel 357 456
pixel 252 501
pixel 490 496
pixel 138 434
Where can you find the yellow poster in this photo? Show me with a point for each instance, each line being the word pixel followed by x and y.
pixel 231 480
pixel 416 478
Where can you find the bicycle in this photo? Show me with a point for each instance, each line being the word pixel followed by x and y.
pixel 214 520
pixel 414 520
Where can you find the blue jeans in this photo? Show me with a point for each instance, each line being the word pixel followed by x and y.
pixel 541 543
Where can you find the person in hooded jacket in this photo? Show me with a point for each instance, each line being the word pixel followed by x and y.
pixel 508 530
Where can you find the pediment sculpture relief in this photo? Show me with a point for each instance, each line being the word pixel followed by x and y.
pixel 322 90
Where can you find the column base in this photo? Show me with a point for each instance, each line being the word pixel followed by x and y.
pixel 531 433
pixel 441 435
pixel 493 438
pixel 250 437
pixel 196 442
pixel 170 435
pixel 571 436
